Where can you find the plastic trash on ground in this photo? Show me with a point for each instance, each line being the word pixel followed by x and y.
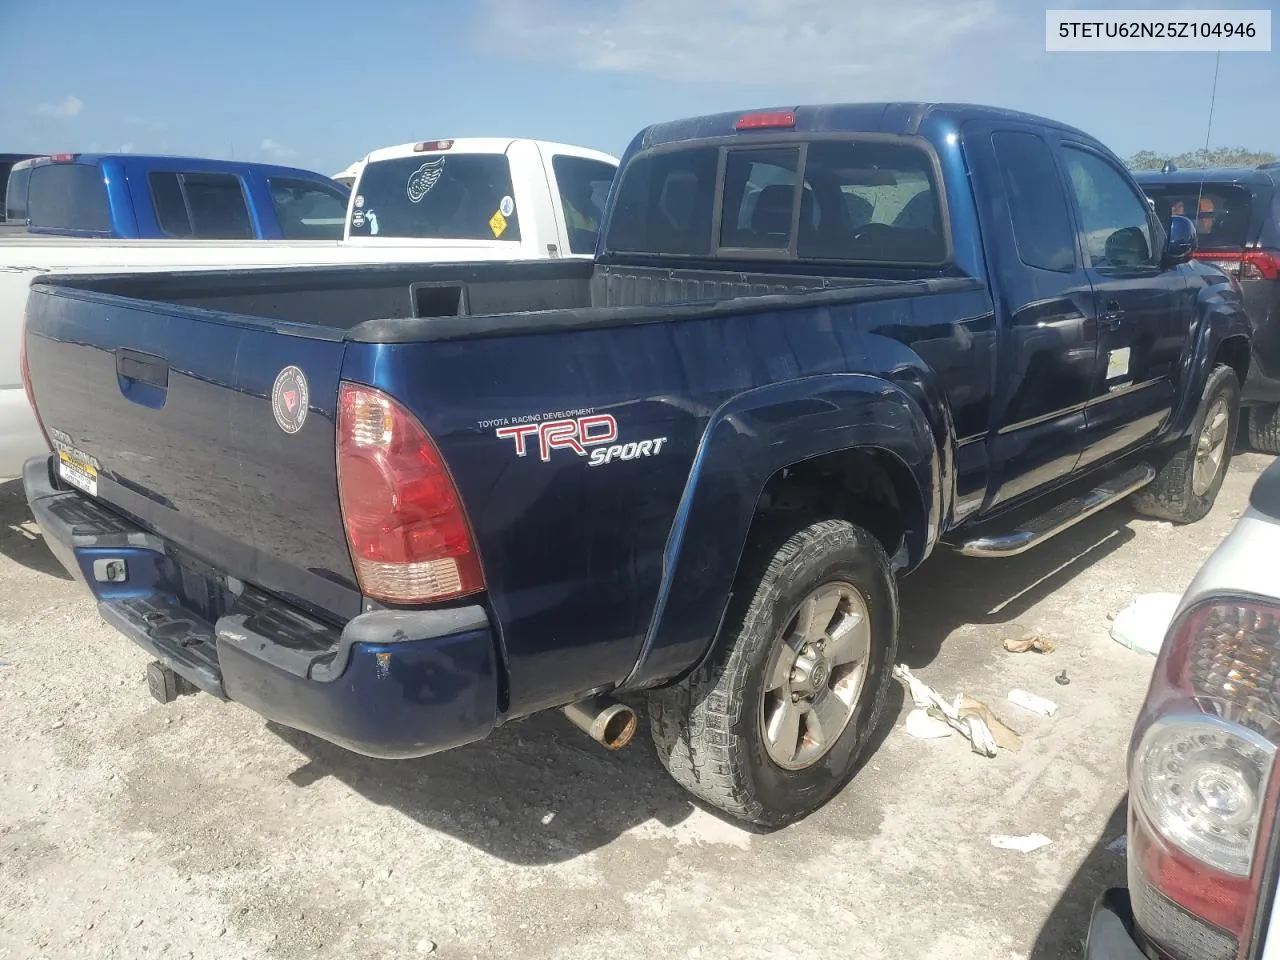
pixel 972 718
pixel 1142 624
pixel 1046 708
pixel 1031 641
pixel 1021 844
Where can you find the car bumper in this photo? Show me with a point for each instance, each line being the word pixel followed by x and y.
pixel 1111 930
pixel 390 683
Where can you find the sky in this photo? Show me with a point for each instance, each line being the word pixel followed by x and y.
pixel 319 84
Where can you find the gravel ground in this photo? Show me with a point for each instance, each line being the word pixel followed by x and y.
pixel 130 829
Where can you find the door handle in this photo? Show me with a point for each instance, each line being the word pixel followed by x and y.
pixel 1111 319
pixel 142 367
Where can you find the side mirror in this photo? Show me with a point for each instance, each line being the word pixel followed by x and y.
pixel 1182 241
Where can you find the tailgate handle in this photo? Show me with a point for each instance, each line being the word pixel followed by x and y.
pixel 142 368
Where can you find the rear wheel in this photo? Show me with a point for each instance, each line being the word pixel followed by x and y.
pixel 1264 428
pixel 775 723
pixel 1188 483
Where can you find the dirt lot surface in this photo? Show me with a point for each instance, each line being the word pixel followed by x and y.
pixel 130 829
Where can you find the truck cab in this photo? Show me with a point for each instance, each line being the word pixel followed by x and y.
pixel 530 199
pixel 132 196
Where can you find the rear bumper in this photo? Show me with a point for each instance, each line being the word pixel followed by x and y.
pixel 1111 935
pixel 391 683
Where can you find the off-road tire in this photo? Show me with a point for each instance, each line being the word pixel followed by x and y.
pixel 1170 496
pixel 1264 428
pixel 707 728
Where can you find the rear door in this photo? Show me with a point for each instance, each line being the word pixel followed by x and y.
pixel 214 431
pixel 1048 347
pixel 1144 309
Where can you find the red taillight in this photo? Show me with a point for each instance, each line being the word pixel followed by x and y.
pixel 766 120
pixel 1203 789
pixel 26 380
pixel 409 537
pixel 426 145
pixel 1251 265
pixel 62 157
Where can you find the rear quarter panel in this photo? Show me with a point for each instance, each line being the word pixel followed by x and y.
pixel 575 555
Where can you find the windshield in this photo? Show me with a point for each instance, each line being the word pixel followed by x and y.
pixel 1221 212
pixel 465 196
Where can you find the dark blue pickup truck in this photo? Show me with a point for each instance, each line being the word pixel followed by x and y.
pixel 132 196
pixel 398 506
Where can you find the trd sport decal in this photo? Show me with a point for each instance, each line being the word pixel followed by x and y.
pixel 598 431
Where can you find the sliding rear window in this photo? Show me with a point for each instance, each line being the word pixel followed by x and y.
pixel 860 201
pixel 1221 212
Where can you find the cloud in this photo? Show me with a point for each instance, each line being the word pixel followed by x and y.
pixel 68 107
pixel 844 46
pixel 275 150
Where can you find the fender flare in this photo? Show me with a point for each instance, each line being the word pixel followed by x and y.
pixel 1220 318
pixel 749 439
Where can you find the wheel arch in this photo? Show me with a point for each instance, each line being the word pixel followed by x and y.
pixel 858 439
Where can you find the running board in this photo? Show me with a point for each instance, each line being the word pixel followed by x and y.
pixel 1066 514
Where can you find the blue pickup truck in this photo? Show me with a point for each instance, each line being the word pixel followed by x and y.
pixel 397 506
pixel 132 196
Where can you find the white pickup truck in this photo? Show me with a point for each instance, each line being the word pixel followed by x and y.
pixel 476 199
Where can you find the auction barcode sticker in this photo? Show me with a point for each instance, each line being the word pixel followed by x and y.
pixel 1158 30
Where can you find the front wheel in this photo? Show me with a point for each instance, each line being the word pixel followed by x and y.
pixel 1188 483
pixel 775 723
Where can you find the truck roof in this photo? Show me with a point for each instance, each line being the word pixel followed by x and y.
pixel 202 163
pixel 484 145
pixel 896 117
pixel 1244 176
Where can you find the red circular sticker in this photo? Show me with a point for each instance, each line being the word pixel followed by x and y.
pixel 289 399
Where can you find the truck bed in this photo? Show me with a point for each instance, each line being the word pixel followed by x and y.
pixel 373 303
pixel 167 382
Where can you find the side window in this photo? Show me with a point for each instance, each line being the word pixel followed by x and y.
pixel 584 185
pixel 759 197
pixel 207 206
pixel 1117 229
pixel 171 208
pixel 68 196
pixel 307 210
pixel 1042 227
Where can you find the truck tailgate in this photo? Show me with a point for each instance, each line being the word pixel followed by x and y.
pixel 167 415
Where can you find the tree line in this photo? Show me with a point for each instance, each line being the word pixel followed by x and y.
pixel 1199 159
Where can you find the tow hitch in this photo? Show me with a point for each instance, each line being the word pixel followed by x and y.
pixel 165 685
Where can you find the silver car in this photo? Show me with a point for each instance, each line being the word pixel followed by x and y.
pixel 1203 836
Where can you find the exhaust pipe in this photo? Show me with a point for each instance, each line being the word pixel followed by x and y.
pixel 605 721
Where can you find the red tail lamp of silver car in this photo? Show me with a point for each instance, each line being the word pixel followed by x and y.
pixel 1203 781
pixel 409 536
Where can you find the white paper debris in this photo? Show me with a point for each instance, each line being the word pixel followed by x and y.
pixel 1021 844
pixel 963 714
pixel 924 727
pixel 1142 624
pixel 1046 708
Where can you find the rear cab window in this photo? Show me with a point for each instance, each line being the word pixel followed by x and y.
pixel 861 200
pixel 67 196
pixel 307 210
pixel 1221 212
pixel 202 206
pixel 438 196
